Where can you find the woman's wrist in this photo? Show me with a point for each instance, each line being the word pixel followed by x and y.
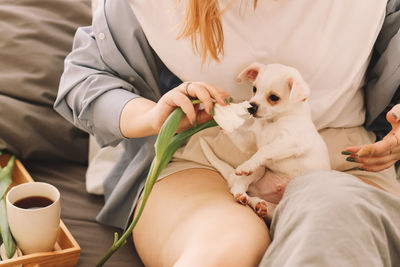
pixel 137 118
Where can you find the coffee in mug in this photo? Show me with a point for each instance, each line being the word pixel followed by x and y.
pixel 33 211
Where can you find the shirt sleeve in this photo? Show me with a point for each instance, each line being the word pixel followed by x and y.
pixel 91 95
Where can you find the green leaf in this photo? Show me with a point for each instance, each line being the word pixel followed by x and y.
pixel 9 243
pixel 167 131
pixel 5 176
pixel 179 139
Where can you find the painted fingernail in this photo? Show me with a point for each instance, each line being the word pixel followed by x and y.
pixel 345 152
pixel 361 169
pixel 212 111
pixel 350 159
pixel 231 99
pixel 226 101
pixel 194 123
pixel 395 116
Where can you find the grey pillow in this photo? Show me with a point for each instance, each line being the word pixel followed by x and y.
pixel 36 35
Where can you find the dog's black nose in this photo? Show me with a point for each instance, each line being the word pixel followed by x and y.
pixel 253 109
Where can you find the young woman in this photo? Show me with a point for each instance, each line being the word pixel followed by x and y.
pixel 122 80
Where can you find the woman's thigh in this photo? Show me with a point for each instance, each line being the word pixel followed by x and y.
pixel 192 219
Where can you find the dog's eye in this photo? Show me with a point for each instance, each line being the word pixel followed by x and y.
pixel 254 89
pixel 274 98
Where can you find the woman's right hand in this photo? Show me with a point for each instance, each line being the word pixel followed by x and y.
pixel 180 97
pixel 141 117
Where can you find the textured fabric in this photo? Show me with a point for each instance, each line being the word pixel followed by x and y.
pixel 315 37
pixel 334 219
pixel 36 35
pixel 114 55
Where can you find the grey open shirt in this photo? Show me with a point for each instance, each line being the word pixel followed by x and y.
pixel 111 63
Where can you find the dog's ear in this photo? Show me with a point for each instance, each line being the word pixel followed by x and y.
pixel 250 73
pixel 299 90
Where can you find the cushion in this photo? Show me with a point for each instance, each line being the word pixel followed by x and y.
pixel 36 37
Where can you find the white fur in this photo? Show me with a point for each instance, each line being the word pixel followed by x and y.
pixel 286 140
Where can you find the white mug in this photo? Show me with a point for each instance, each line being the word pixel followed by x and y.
pixel 34 229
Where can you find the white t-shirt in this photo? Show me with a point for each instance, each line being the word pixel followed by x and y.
pixel 328 41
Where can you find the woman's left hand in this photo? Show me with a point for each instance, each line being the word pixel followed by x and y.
pixel 382 154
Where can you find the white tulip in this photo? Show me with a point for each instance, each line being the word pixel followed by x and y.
pixel 232 116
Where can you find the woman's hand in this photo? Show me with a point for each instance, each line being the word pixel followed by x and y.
pixel 180 97
pixel 383 154
pixel 141 117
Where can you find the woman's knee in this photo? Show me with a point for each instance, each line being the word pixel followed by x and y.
pixel 237 243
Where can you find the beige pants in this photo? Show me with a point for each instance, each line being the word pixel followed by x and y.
pixel 337 139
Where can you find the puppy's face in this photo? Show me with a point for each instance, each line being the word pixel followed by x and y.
pixel 276 89
pixel 270 97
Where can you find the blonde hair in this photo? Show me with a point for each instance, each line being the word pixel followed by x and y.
pixel 203 26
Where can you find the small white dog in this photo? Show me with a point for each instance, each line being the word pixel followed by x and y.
pixel 280 132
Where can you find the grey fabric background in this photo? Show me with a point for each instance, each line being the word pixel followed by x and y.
pixel 35 38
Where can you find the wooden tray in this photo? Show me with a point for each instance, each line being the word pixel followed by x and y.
pixel 66 250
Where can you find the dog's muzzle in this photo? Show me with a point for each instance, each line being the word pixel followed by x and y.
pixel 253 109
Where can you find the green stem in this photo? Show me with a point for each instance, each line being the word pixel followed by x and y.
pixel 156 167
pixel 122 241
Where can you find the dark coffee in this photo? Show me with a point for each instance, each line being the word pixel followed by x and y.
pixel 33 202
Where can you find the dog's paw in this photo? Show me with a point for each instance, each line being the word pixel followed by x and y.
pixel 244 169
pixel 261 209
pixel 242 172
pixel 242 198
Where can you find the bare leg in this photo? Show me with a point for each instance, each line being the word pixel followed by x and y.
pixel 191 219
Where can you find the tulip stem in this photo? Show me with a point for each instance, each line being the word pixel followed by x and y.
pixel 164 152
